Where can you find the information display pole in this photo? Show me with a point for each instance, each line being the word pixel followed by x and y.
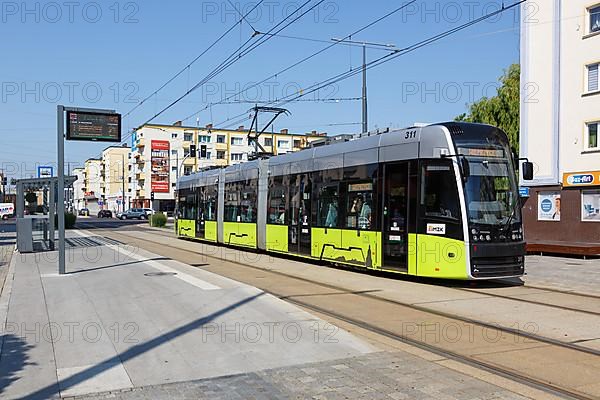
pixel 60 200
pixel 85 124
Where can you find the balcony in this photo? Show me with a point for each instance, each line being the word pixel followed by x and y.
pixel 189 162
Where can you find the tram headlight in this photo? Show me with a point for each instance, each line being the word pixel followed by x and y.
pixel 514 237
pixel 475 238
pixel 488 238
pixel 481 237
pixel 474 231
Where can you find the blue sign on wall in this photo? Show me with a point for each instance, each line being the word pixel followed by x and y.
pixel 524 191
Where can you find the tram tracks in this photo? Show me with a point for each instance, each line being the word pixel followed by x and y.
pixel 560 368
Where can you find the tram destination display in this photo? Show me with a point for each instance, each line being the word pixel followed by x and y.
pixel 96 127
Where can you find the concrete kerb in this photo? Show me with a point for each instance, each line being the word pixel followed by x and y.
pixel 5 297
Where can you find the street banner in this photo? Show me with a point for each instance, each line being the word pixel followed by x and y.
pixel 159 160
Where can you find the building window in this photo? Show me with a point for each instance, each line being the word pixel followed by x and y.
pixel 187 137
pixel 173 152
pixel 220 154
pixel 208 155
pixel 592 135
pixel 268 141
pixel 297 142
pixel 592 77
pixel 203 138
pixel 173 136
pixel 220 138
pixel 236 156
pixel 594 19
pixel 283 144
pixel 174 169
pixel 237 141
pixel 187 170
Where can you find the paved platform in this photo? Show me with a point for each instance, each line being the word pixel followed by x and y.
pixel 125 318
pixel 555 323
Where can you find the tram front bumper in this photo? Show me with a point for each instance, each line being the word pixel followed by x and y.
pixel 496 260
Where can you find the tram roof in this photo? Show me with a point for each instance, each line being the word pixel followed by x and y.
pixel 428 141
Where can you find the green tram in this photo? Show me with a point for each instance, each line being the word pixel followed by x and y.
pixel 435 201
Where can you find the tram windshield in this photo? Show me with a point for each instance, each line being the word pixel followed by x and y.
pixel 490 189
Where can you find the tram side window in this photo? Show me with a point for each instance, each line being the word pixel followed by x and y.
pixel 189 205
pixel 359 206
pixel 210 203
pixel 300 189
pixel 439 194
pixel 277 201
pixel 232 203
pixel 248 195
pixel 328 206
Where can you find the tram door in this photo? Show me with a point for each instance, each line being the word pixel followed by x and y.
pixel 299 214
pixel 395 216
pixel 200 226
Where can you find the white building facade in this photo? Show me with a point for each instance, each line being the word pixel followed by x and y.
pixel 560 116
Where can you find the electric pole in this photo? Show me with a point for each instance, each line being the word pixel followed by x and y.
pixel 364 45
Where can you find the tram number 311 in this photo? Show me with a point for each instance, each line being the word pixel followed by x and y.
pixel 410 135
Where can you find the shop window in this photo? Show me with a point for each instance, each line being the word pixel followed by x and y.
pixel 592 135
pixel 590 205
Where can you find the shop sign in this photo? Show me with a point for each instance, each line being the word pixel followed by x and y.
pixel 573 179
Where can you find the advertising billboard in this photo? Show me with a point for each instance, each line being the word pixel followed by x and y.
pixel 159 166
pixel 548 206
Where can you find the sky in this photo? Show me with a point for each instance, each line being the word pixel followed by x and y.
pixel 114 54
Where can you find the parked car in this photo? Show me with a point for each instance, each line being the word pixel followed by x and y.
pixel 84 211
pixel 148 211
pixel 105 214
pixel 133 213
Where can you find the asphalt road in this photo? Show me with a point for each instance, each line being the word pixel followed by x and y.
pixel 106 223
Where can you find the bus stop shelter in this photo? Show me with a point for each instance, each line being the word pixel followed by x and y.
pixel 37 230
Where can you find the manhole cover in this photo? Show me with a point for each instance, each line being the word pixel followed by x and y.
pixel 160 273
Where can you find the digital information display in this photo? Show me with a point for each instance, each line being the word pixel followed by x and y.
pixel 96 127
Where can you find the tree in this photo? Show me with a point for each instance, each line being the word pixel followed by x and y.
pixel 501 110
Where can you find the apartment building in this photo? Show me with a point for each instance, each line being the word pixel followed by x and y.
pixel 114 175
pixel 560 115
pixel 161 153
pixel 79 189
pixel 92 185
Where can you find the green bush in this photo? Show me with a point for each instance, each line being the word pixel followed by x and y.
pixel 158 220
pixel 70 220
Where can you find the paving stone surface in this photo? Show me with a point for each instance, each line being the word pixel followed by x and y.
pixel 382 375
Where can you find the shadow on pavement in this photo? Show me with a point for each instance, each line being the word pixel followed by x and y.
pixel 14 358
pixel 137 350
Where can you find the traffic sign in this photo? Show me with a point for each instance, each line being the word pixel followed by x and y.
pixel 45 171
